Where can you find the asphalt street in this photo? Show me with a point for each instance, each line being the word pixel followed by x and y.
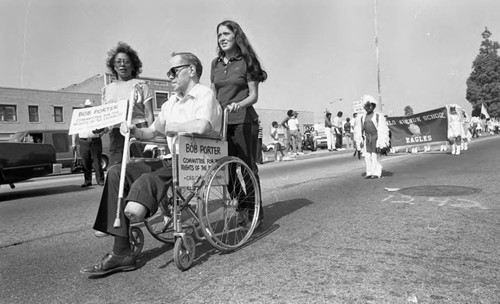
pixel 427 232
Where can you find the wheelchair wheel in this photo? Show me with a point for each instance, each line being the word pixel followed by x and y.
pixel 160 225
pixel 184 255
pixel 136 240
pixel 229 203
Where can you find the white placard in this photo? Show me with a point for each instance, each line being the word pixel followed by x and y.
pixel 358 110
pixel 88 119
pixel 357 103
pixel 196 156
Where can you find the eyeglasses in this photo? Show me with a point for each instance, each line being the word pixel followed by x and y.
pixel 174 71
pixel 119 62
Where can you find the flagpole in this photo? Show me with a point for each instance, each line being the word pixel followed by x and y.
pixel 377 56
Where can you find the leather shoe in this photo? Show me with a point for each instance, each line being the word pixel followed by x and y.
pixel 111 263
pixel 100 183
pixel 100 234
pixel 86 184
pixel 368 177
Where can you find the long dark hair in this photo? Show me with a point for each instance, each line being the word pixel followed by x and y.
pixel 245 49
pixel 122 47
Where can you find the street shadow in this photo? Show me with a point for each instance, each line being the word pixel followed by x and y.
pixel 272 213
pixel 204 250
pixel 387 173
pixel 153 253
pixel 384 173
pixel 7 196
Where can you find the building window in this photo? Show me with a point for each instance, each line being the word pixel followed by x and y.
pixel 8 112
pixel 161 98
pixel 58 114
pixel 33 114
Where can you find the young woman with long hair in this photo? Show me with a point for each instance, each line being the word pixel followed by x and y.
pixel 235 76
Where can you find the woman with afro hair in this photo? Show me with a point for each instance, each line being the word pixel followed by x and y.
pixel 124 64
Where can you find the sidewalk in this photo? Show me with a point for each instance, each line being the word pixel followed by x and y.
pixel 269 156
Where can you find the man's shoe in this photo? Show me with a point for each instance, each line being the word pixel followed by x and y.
pixel 368 177
pixel 111 263
pixel 100 183
pixel 86 184
pixel 100 234
pixel 375 176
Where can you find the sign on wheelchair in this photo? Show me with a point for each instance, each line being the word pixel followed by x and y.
pixel 195 155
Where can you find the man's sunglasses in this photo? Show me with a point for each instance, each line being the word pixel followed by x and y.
pixel 174 71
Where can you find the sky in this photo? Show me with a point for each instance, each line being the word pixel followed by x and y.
pixel 319 54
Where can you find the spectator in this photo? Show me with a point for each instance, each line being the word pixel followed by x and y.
pixel 329 133
pixel 475 121
pixel 467 135
pixel 90 144
pixel 348 133
pixel 286 127
pixel 357 144
pixel 337 124
pixel 276 141
pixel 295 134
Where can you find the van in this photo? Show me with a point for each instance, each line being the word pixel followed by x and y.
pixel 61 141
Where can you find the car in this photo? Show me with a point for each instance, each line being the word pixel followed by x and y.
pixel 22 161
pixel 62 143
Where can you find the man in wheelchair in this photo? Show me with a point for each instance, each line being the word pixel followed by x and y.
pixel 192 109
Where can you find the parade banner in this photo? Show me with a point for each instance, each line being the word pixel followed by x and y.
pixel 93 118
pixel 419 129
pixel 196 155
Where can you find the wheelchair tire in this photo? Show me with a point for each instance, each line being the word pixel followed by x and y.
pixel 161 225
pixel 136 240
pixel 184 255
pixel 223 221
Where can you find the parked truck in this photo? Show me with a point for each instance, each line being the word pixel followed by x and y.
pixel 22 161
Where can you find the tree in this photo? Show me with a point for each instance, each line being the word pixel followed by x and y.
pixel 408 111
pixel 483 84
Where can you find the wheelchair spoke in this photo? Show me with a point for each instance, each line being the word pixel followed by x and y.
pixel 228 209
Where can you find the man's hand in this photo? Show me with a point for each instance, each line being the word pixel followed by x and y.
pixel 99 132
pixel 124 128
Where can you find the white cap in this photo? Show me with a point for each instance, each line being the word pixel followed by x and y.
pixel 368 99
pixel 88 103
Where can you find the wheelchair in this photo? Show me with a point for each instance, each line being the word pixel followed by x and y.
pixel 212 197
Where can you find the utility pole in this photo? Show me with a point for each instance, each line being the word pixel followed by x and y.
pixel 377 56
